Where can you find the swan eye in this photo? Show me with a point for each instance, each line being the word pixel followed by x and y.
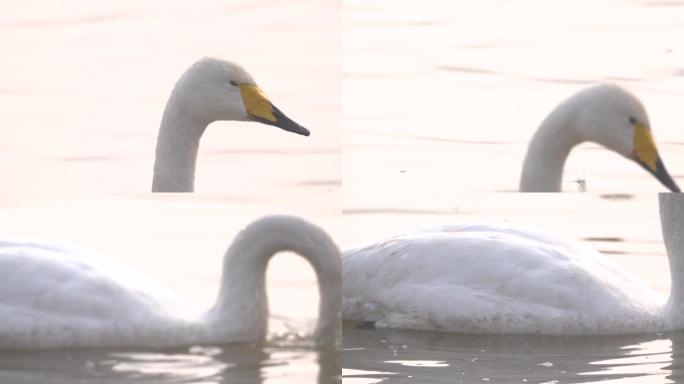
pixel 632 120
pixel 233 83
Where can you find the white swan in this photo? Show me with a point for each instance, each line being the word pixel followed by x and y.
pixel 605 114
pixel 505 279
pixel 208 91
pixel 56 297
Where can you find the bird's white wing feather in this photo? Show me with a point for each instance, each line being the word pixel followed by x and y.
pixel 493 279
pixel 50 292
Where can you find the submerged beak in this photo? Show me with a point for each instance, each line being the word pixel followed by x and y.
pixel 646 155
pixel 260 109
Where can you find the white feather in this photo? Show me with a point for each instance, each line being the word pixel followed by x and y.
pixel 53 295
pixel 498 278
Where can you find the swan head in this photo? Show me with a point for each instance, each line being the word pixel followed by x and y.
pixel 213 89
pixel 613 117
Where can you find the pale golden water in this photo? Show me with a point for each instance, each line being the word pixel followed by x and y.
pixel 179 242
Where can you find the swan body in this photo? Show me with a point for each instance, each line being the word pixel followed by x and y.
pixel 56 296
pixel 605 114
pixel 210 90
pixel 506 279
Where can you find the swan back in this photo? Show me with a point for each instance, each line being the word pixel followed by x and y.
pixel 54 295
pixel 242 295
pixel 493 278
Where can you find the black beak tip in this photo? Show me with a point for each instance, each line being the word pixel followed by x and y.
pixel 674 187
pixel 665 178
pixel 661 174
pixel 287 124
pixel 291 126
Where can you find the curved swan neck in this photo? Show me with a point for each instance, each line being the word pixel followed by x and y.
pixel 242 297
pixel 177 145
pixel 672 220
pixel 547 152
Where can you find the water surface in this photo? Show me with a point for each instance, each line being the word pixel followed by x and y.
pixel 390 356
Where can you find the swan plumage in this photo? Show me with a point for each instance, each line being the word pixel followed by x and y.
pixel 208 91
pixel 55 296
pixel 500 278
pixel 606 114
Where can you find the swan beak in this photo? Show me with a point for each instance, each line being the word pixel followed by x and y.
pixel 260 109
pixel 646 155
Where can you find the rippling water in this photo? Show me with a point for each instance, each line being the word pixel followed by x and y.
pixel 391 356
pixel 225 364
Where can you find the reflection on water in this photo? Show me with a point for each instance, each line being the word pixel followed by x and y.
pixel 400 356
pixel 236 364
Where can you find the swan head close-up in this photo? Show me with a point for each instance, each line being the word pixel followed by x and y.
pixel 208 91
pixel 615 118
pixel 606 114
pixel 213 89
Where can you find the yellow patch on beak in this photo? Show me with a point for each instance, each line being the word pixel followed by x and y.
pixel 256 103
pixel 644 147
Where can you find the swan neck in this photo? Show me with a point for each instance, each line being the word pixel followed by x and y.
pixel 547 152
pixel 242 296
pixel 177 146
pixel 671 220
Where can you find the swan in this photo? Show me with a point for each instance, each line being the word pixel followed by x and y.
pixel 56 296
pixel 504 279
pixel 605 114
pixel 210 90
